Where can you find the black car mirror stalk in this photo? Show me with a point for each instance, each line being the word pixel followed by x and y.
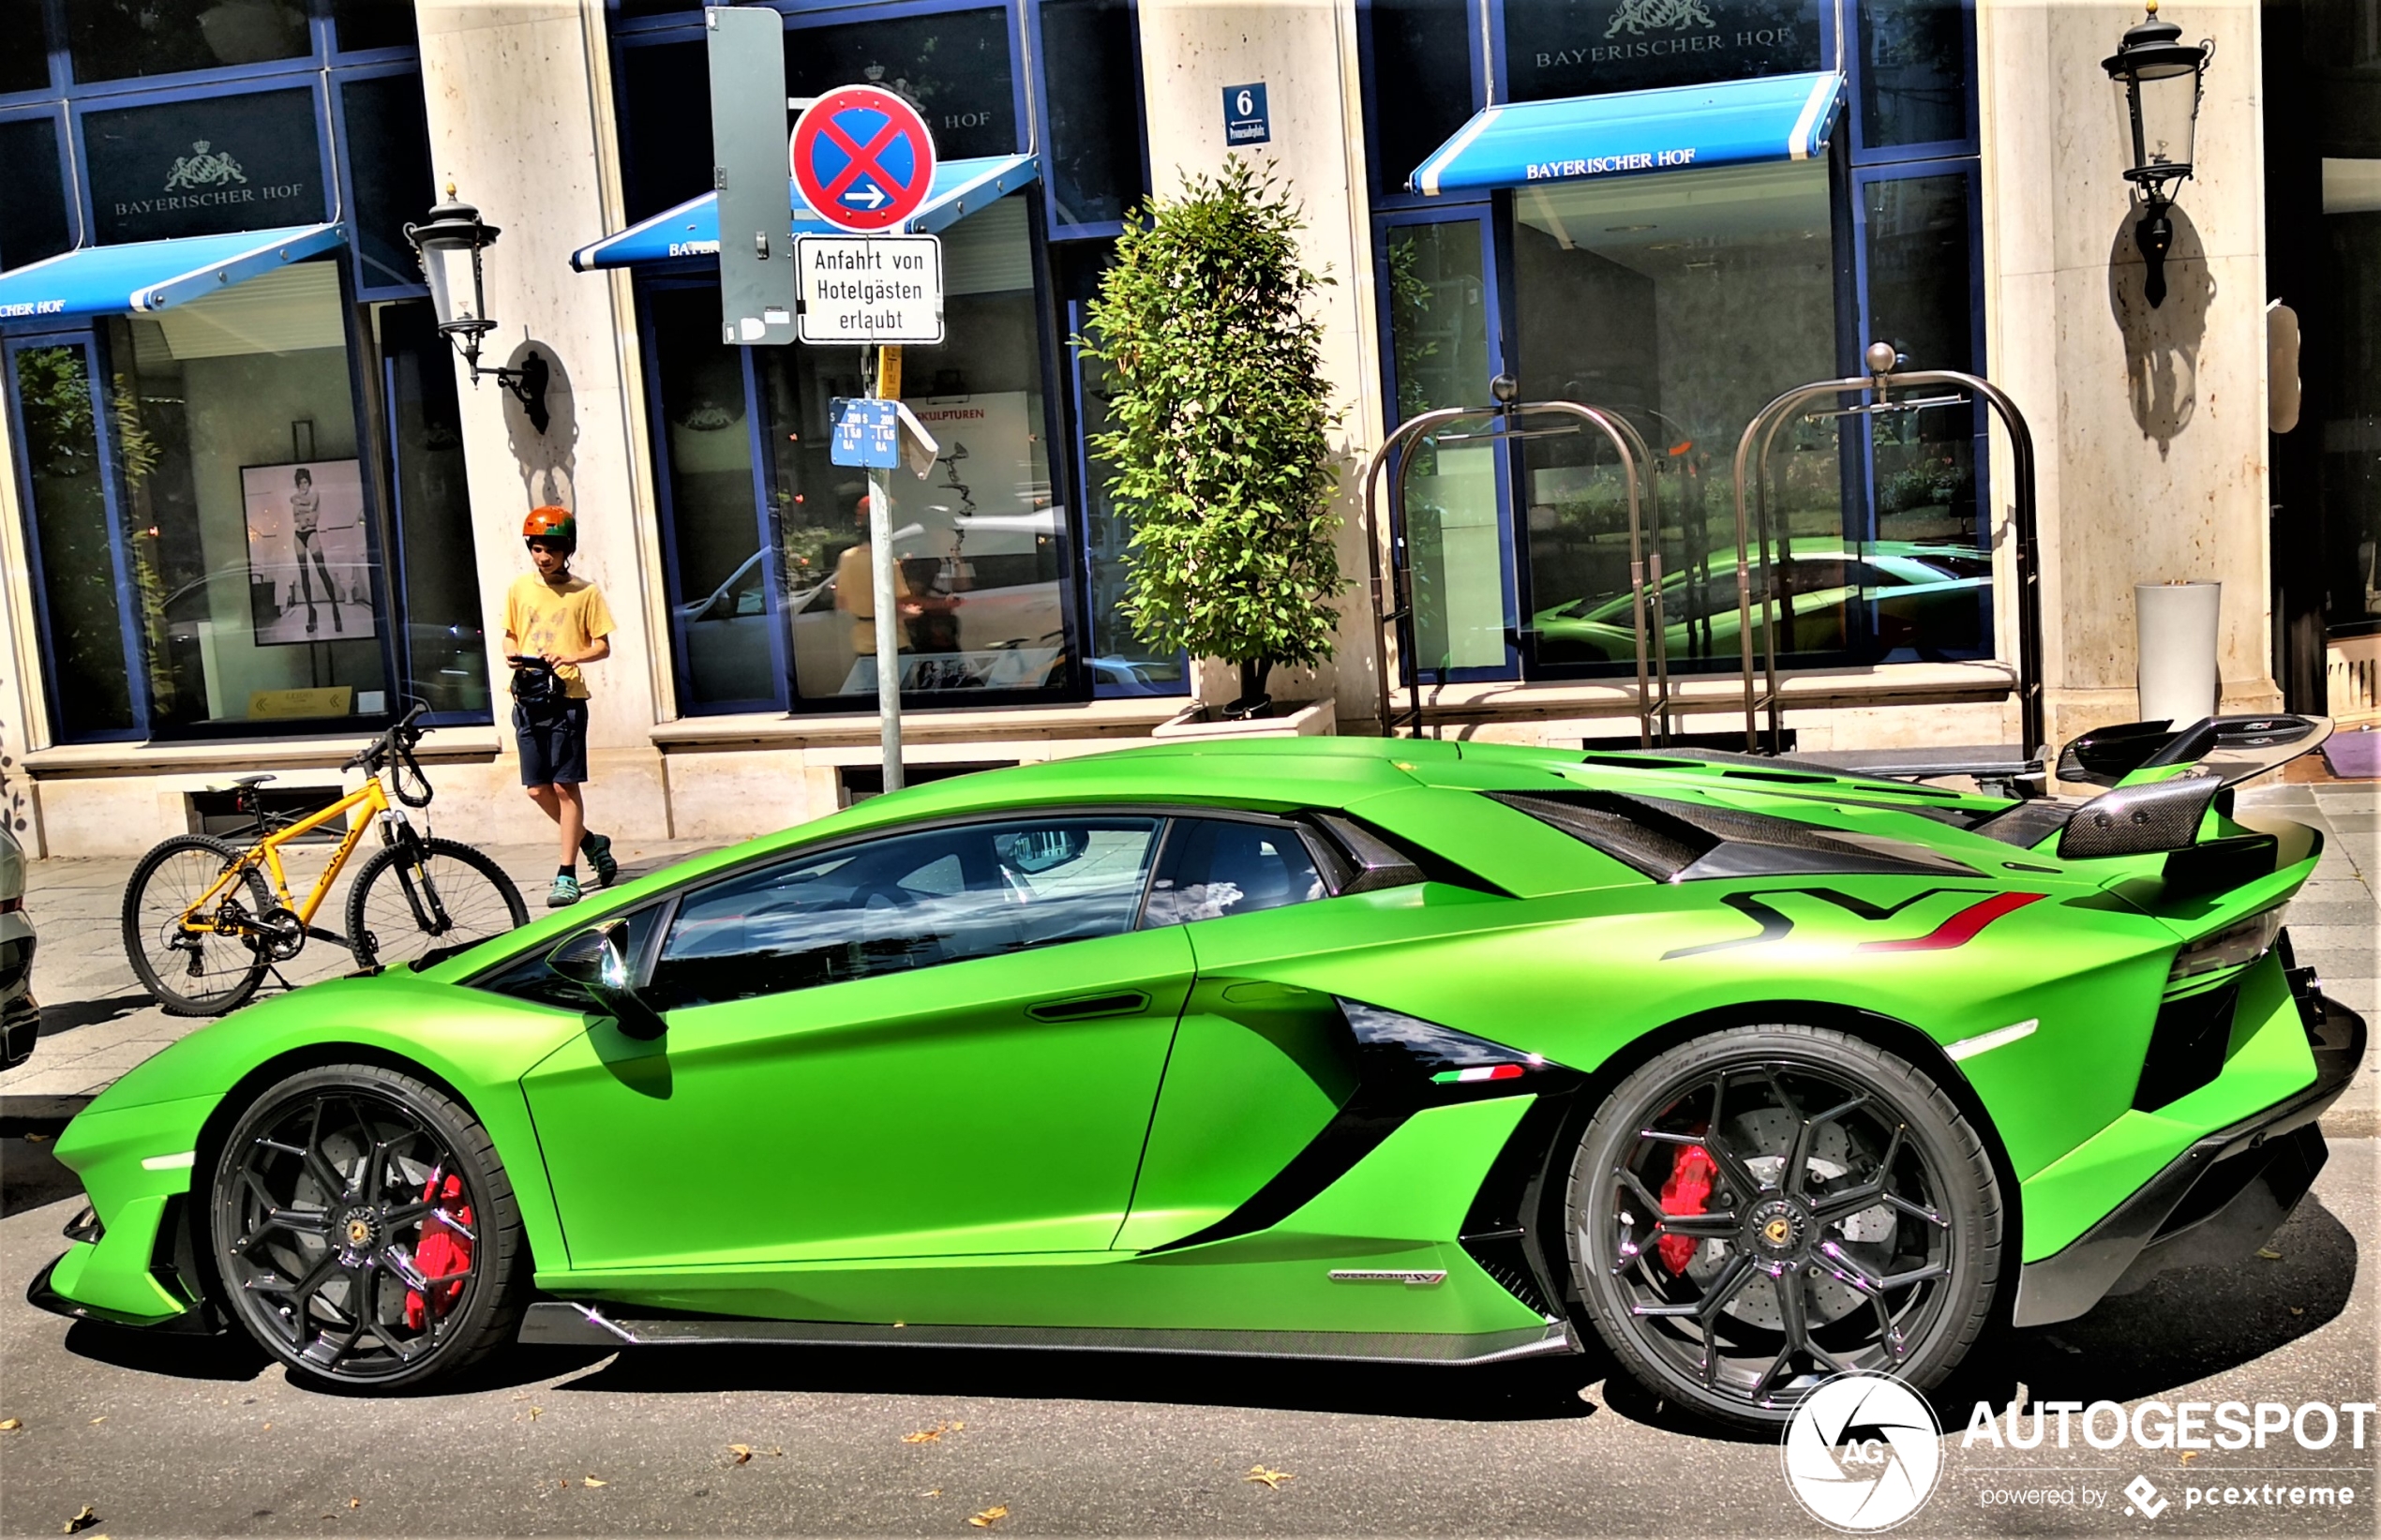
pixel 596 960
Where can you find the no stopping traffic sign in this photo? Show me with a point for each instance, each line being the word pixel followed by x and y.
pixel 863 158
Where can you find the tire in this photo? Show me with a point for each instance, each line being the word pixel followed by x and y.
pixel 475 897
pixel 213 973
pixel 333 1196
pixel 1796 1279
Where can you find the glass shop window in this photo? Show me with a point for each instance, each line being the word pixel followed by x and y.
pixel 1092 72
pixel 197 168
pixel 1929 526
pixel 256 567
pixel 980 545
pixel 1686 301
pixel 372 24
pixel 1914 61
pixel 1421 81
pixel 119 40
pixel 1438 308
pixel 24 64
pixel 443 646
pixel 388 148
pixel 1583 48
pixel 83 608
pixel 955 67
pixel 665 93
pixel 33 196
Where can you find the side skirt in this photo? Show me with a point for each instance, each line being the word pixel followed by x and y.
pixel 560 1322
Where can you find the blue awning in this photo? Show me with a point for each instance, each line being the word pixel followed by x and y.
pixel 692 229
pixel 105 281
pixel 1735 123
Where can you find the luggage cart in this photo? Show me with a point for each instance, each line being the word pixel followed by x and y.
pixel 1754 537
pixel 1393 593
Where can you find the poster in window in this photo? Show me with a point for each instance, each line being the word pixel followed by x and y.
pixel 309 564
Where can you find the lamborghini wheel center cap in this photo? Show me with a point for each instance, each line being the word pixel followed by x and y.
pixel 1777 1228
pixel 359 1228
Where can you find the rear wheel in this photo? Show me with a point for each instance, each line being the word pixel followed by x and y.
pixel 195 973
pixel 420 894
pixel 1754 1211
pixel 365 1232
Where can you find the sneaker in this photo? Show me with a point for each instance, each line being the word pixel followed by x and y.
pixel 597 848
pixel 563 894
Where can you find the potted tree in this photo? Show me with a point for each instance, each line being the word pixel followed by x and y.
pixel 1218 445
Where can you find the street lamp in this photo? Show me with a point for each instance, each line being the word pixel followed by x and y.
pixel 2161 76
pixel 453 236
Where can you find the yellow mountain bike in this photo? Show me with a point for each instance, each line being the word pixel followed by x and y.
pixel 203 928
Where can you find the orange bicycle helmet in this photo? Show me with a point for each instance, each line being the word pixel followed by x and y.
pixel 553 524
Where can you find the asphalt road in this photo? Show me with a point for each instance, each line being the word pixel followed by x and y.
pixel 163 1437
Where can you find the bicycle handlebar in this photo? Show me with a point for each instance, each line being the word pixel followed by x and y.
pixel 393 749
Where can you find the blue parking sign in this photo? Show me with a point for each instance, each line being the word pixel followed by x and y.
pixel 867 435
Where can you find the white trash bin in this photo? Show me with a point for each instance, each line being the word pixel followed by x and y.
pixel 2177 680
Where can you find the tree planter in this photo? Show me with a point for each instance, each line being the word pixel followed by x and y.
pixel 1294 719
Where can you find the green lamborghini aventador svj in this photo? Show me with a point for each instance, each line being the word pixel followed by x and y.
pixel 1346 1049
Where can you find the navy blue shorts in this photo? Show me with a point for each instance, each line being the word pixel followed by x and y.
pixel 553 748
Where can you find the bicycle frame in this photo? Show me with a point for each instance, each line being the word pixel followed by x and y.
pixel 370 796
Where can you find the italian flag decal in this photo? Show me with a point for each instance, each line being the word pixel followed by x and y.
pixel 1479 1072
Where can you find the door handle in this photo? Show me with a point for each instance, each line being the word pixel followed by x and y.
pixel 1127 1002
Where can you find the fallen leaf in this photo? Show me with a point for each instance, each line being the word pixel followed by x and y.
pixel 743 1453
pixel 1272 1479
pixel 592 1482
pixel 2188 1456
pixel 9 1425
pixel 2267 1254
pixel 958 1427
pixel 990 1516
pixel 83 1520
pixel 535 1412
pixel 355 1503
pixel 935 1491
pixel 268 1427
pixel 37 1139
pixel 2297 1310
pixel 97 1421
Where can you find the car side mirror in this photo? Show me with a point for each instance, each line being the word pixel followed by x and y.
pixel 597 961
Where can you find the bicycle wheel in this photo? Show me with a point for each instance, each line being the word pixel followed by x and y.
pixel 419 895
pixel 192 975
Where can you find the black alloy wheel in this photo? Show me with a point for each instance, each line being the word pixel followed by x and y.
pixel 364 1233
pixel 1752 1212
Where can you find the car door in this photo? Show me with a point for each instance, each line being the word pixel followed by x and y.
pixel 938 1042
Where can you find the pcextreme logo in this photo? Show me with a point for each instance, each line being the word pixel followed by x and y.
pixel 1862 1453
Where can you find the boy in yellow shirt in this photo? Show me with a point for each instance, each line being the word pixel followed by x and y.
pixel 562 621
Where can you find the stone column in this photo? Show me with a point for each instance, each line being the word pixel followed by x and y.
pixel 2149 422
pixel 520 123
pixel 23 719
pixel 1305 52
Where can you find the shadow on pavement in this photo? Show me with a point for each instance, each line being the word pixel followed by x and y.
pixel 68 1015
pixel 2186 1325
pixel 1533 1390
pixel 30 1176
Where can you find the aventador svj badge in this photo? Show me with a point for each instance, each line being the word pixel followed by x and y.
pixel 1637 17
pixel 201 170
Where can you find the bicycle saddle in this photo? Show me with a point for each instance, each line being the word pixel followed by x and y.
pixel 253 780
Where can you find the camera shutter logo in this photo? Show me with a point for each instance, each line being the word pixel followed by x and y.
pixel 200 169
pixel 1862 1453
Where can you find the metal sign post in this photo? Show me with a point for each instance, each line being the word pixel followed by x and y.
pixel 869 434
pixel 748 57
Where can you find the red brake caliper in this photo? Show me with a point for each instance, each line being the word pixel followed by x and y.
pixel 446 1251
pixel 1687 1191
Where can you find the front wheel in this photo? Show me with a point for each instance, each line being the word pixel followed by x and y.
pixel 419 894
pixel 364 1231
pixel 1757 1210
pixel 203 971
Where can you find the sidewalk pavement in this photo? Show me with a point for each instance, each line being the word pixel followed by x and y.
pixel 97 1022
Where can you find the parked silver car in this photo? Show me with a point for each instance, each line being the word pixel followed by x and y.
pixel 20 1017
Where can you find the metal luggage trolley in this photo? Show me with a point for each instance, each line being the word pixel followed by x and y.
pixel 1393 595
pixel 1753 535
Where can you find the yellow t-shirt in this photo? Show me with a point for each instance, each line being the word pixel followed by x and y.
pixel 566 617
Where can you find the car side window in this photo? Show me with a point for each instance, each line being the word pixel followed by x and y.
pixel 1215 867
pixel 909 901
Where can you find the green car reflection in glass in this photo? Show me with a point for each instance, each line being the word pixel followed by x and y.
pixel 1337 1048
pixel 1918 592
